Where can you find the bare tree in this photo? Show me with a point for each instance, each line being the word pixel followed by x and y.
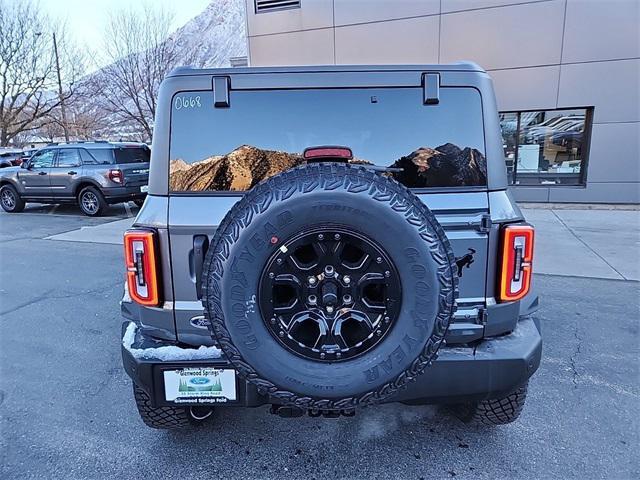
pixel 29 72
pixel 138 58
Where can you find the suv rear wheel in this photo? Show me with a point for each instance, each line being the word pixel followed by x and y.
pixel 496 411
pixel 10 199
pixel 168 418
pixel 91 201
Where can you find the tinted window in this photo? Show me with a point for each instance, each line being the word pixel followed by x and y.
pixel 43 159
pixel 132 155
pixel 263 133
pixel 68 157
pixel 102 156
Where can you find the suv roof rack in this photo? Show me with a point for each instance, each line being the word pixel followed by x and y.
pixel 52 144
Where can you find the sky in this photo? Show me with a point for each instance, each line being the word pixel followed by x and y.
pixel 86 19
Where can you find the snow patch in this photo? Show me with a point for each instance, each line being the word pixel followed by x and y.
pixel 167 353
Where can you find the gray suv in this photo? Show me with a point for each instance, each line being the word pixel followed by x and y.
pixel 91 174
pixel 323 239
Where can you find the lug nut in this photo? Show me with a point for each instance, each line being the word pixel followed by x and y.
pixel 273 320
pixel 338 355
pixel 329 271
pixel 346 279
pixel 320 237
pixel 387 319
pixel 378 332
pixel 329 309
pixel 387 274
pixel 336 236
pixel 279 261
pixel 312 280
pixel 312 299
pixel 347 299
pixel 271 275
pixel 322 356
pixel 281 333
pixel 379 260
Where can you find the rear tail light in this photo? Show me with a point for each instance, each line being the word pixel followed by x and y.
pixel 517 256
pixel 142 267
pixel 115 176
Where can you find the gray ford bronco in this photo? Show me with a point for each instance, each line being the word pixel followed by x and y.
pixel 322 239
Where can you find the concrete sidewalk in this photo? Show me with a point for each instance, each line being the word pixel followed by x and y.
pixel 575 242
pixel 586 243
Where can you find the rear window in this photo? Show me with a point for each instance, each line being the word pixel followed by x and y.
pixel 265 132
pixel 132 155
pixel 99 156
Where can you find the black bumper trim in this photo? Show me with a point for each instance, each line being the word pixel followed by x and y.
pixel 492 369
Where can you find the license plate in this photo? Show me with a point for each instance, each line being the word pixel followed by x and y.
pixel 200 385
pixel 144 188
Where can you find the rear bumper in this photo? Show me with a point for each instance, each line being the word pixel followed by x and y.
pixel 123 194
pixel 494 368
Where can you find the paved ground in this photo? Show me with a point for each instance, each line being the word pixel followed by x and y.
pixel 587 243
pixel 67 410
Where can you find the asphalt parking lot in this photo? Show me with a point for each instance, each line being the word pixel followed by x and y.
pixel 67 410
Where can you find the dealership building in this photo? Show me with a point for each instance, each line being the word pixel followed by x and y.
pixel 566 74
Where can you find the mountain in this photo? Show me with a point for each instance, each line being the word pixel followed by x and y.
pixel 215 35
pixel 445 166
pixel 246 166
pixel 238 170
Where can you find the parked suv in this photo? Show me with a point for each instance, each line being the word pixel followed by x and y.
pixel 92 174
pixel 321 239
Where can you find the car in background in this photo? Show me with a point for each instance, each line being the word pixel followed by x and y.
pixel 10 158
pixel 91 174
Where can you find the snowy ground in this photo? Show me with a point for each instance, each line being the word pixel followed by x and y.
pixel 67 410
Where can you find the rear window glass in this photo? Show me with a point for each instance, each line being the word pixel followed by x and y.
pixel 265 132
pixel 132 155
pixel 101 156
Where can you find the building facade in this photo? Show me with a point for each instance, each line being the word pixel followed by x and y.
pixel 566 73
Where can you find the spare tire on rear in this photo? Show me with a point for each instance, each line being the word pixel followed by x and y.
pixel 329 287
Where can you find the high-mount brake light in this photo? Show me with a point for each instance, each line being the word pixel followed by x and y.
pixel 517 258
pixel 142 267
pixel 115 175
pixel 315 153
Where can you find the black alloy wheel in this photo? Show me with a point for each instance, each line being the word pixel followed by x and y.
pixel 329 294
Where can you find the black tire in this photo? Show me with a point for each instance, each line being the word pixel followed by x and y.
pixel 92 202
pixel 167 418
pixel 139 202
pixel 10 199
pixel 295 201
pixel 497 411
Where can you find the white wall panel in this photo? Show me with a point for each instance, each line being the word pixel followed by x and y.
pixel 506 37
pixel 399 41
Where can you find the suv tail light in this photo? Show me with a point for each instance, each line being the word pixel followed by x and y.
pixel 142 268
pixel 517 256
pixel 115 176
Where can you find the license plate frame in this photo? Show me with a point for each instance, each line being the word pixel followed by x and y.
pixel 204 385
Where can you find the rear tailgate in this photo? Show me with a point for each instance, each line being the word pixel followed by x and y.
pixel 133 161
pixel 464 226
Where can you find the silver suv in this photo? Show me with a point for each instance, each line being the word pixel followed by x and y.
pixel 91 174
pixel 321 239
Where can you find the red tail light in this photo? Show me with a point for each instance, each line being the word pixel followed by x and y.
pixel 315 153
pixel 115 176
pixel 142 267
pixel 517 256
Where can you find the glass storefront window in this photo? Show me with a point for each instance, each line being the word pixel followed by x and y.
pixel 545 147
